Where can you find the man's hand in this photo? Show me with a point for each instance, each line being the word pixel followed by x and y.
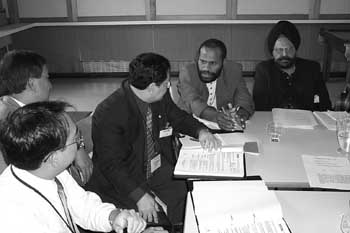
pixel 208 140
pixel 84 164
pixel 225 121
pixel 127 219
pixel 155 230
pixel 148 208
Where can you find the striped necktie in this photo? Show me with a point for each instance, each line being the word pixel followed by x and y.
pixel 150 151
pixel 63 198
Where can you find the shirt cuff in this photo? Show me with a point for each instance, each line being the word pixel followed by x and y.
pixel 137 194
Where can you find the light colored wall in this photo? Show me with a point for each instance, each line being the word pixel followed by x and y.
pixel 272 7
pixel 42 8
pixel 191 7
pixel 335 7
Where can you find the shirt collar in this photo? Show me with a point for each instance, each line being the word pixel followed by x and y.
pixel 17 101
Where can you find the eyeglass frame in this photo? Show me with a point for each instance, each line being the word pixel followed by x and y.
pixel 287 50
pixel 80 144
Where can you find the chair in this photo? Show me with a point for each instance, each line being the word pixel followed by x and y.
pixel 84 125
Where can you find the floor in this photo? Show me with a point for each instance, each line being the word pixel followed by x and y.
pixel 85 93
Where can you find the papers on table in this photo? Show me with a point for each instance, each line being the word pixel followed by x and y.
pixel 327 172
pixel 329 119
pixel 239 206
pixel 209 124
pixel 249 142
pixel 195 162
pixel 294 118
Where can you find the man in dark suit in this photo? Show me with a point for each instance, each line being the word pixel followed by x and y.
pixel 288 81
pixel 211 84
pixel 133 131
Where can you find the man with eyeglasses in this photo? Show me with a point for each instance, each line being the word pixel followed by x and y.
pixel 24 79
pixel 286 80
pixel 133 135
pixel 37 194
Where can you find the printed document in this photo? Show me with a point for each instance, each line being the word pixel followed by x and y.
pixel 197 162
pixel 327 171
pixel 239 206
pixel 329 118
pixel 294 118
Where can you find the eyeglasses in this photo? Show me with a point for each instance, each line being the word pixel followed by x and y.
pixel 288 50
pixel 80 143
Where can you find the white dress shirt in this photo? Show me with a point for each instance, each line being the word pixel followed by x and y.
pixel 23 210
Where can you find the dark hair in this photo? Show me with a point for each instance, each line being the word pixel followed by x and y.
pixel 214 44
pixel 286 29
pixel 147 68
pixel 32 132
pixel 16 68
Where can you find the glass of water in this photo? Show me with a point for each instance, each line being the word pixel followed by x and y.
pixel 343 135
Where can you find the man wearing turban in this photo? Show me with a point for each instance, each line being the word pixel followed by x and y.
pixel 288 81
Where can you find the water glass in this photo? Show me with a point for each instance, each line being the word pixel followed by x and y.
pixel 274 131
pixel 343 135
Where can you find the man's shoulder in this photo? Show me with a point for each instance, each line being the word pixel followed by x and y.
pixel 309 64
pixel 265 63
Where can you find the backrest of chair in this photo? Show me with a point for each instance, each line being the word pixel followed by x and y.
pixel 84 125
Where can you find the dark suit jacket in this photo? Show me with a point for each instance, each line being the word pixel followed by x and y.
pixel 230 88
pixel 268 94
pixel 118 135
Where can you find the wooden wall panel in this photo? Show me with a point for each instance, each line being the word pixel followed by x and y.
pixel 114 43
pixel 272 7
pixel 88 8
pixel 335 7
pixel 191 7
pixel 42 8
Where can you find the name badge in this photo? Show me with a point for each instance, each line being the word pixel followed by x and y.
pixel 166 132
pixel 155 163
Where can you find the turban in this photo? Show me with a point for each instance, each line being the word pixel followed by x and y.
pixel 286 29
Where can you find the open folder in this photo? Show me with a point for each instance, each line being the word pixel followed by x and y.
pixel 234 206
pixel 195 162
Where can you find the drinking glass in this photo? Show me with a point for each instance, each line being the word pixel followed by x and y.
pixel 343 135
pixel 274 130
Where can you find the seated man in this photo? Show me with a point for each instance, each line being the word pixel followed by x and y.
pixel 133 131
pixel 24 79
pixel 37 194
pixel 287 81
pixel 211 85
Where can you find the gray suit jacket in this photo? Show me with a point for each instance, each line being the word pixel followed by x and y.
pixel 7 105
pixel 230 88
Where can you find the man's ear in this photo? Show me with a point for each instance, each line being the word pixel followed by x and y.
pixel 54 159
pixel 31 84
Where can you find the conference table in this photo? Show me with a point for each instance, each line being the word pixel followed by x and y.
pixel 304 211
pixel 280 163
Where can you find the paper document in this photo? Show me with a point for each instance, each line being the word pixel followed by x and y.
pixel 197 162
pixel 238 207
pixel 329 119
pixel 327 171
pixel 294 118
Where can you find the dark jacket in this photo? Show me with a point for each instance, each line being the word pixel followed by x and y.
pixel 307 82
pixel 118 135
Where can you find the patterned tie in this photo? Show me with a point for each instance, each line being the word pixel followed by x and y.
pixel 63 198
pixel 149 142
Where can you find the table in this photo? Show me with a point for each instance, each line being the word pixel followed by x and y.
pixel 335 40
pixel 280 164
pixel 304 211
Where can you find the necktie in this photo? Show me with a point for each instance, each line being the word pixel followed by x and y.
pixel 212 96
pixel 149 142
pixel 63 198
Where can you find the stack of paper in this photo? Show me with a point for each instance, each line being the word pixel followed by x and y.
pixel 195 162
pixel 293 118
pixel 329 118
pixel 239 206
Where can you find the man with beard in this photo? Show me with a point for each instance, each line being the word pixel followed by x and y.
pixel 287 81
pixel 212 86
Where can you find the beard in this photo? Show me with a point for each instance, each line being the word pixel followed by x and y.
pixel 207 76
pixel 285 62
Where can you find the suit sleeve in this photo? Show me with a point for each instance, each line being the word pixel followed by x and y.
pixel 191 100
pixel 321 90
pixel 182 121
pixel 242 96
pixel 260 90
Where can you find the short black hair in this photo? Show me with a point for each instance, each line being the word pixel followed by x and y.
pixel 287 29
pixel 214 44
pixel 31 133
pixel 147 68
pixel 16 68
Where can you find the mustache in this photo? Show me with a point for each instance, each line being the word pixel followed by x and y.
pixel 285 58
pixel 207 72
